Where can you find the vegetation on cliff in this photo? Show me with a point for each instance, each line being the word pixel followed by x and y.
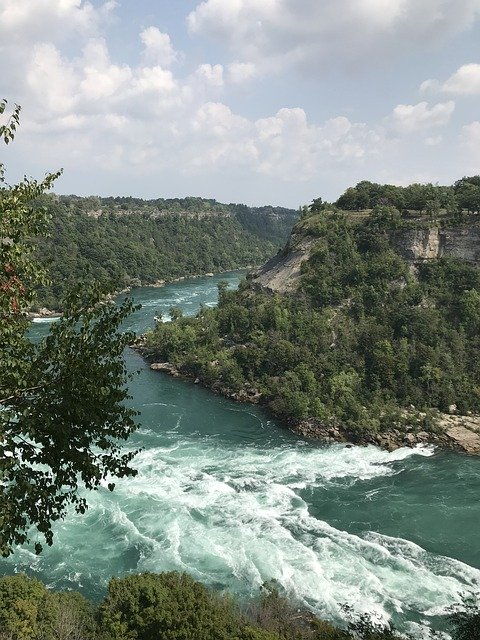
pixel 173 606
pixel 365 337
pixel 127 242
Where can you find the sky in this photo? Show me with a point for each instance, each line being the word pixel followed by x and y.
pixel 254 101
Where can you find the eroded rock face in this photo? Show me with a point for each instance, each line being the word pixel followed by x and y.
pixel 281 274
pixel 418 245
pixel 464 431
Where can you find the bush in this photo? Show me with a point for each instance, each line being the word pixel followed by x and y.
pixel 29 611
pixel 170 606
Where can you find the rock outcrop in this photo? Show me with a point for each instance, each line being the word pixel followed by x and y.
pixel 463 431
pixel 419 245
pixel 281 274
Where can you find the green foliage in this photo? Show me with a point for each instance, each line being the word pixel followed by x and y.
pixel 170 606
pixel 467 193
pixel 173 606
pixel 26 608
pixel 7 130
pixel 429 199
pixel 128 242
pixel 62 411
pixel 29 611
pixel 358 342
pixel 465 623
pixel 63 418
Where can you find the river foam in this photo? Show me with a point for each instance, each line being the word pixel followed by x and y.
pixel 236 517
pixel 225 494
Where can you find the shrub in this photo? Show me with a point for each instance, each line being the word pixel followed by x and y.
pixel 170 606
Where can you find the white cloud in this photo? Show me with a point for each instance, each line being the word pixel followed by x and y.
pixel 295 149
pixel 154 79
pixel 433 141
pixel 408 118
pixel 430 85
pixel 239 72
pixel 51 80
pixel 211 74
pixel 101 78
pixel 90 111
pixel 50 20
pixel 470 140
pixel 93 111
pixel 275 33
pixel 465 81
pixel 158 48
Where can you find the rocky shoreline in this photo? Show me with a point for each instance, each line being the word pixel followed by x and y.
pixel 453 432
pixel 43 313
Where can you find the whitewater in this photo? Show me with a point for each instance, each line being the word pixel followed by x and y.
pixel 228 495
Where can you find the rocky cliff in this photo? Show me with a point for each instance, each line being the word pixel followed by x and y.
pixel 281 274
pixel 418 245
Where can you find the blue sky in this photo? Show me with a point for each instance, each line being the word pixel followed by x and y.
pixel 256 101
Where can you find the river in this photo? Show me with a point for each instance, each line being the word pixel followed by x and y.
pixel 228 495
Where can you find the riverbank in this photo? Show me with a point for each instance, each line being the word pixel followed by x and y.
pixel 45 313
pixel 446 431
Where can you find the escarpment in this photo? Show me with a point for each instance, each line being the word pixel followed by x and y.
pixel 419 245
pixel 363 329
pixel 282 273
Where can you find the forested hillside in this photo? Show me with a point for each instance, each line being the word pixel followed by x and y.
pixel 357 329
pixel 130 242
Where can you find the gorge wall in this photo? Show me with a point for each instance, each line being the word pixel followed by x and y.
pixel 281 274
pixel 417 245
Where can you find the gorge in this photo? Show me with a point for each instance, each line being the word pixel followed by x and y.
pixel 228 495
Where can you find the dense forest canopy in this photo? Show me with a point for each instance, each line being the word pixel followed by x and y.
pixel 366 336
pixel 128 241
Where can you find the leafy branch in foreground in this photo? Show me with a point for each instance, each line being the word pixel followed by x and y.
pixel 7 130
pixel 62 400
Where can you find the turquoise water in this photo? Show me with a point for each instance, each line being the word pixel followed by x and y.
pixel 225 493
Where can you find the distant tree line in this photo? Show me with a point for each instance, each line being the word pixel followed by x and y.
pixel 127 242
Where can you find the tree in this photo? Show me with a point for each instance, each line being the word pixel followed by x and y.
pixel 348 200
pixel 467 191
pixel 29 611
pixel 416 196
pixel 62 400
pixel 170 606
pixel 317 206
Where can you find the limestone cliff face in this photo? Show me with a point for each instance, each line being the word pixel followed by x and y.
pixel 418 245
pixel 281 274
